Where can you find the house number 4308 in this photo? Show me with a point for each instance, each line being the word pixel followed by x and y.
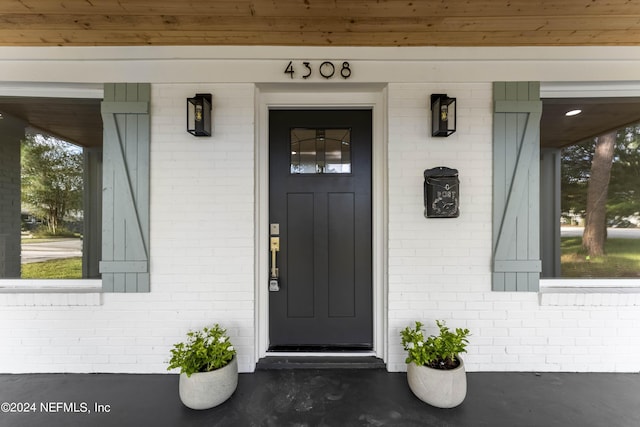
pixel 327 69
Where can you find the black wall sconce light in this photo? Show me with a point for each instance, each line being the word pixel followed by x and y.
pixel 199 114
pixel 443 115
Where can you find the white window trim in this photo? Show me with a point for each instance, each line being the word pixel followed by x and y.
pixel 587 283
pixel 590 292
pixel 50 292
pixel 49 285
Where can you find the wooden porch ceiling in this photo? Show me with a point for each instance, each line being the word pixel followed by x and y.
pixel 598 116
pixel 320 22
pixel 75 120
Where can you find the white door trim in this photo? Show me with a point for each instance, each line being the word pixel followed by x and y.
pixel 335 96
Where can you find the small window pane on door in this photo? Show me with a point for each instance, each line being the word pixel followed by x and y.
pixel 320 151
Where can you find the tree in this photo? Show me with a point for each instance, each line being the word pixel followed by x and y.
pixel 51 178
pixel 576 166
pixel 595 228
pixel 624 188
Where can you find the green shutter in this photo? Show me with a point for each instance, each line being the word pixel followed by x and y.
pixel 516 180
pixel 125 197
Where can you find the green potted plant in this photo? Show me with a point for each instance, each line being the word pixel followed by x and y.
pixel 208 367
pixel 435 370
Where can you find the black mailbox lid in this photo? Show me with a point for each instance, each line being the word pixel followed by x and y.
pixel 439 172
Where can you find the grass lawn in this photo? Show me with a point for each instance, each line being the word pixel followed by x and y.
pixel 67 268
pixel 622 259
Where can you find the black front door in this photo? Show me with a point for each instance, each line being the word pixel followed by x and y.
pixel 320 199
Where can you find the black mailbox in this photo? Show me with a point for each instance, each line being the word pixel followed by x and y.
pixel 441 193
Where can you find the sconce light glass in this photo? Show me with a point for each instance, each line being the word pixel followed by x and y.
pixel 199 114
pixel 443 115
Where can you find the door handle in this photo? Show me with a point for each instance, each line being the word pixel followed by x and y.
pixel 274 245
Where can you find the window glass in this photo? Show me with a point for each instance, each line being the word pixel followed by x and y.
pixel 51 187
pixel 51 208
pixel 600 203
pixel 42 220
pixel 320 151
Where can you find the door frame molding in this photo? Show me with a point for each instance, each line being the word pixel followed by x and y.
pixel 322 96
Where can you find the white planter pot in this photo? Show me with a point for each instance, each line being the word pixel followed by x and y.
pixel 437 387
pixel 204 390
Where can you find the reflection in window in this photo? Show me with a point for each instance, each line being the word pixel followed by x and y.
pixel 600 226
pixel 320 151
pixel 51 208
pixel 50 226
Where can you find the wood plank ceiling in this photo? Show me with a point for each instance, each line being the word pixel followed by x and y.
pixel 317 23
pixel 76 120
pixel 598 116
pixel 320 22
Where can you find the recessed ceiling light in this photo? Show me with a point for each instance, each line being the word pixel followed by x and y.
pixel 572 113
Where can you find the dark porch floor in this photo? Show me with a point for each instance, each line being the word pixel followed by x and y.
pixel 325 397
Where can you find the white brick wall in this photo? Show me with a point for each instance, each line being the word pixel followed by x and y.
pixel 201 254
pixel 440 268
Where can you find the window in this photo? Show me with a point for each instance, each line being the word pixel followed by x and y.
pixel 320 151
pixel 51 206
pixel 600 206
pixel 28 117
pixel 573 129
